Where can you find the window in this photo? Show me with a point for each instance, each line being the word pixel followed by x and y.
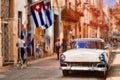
pixel 89 44
pixel 5 4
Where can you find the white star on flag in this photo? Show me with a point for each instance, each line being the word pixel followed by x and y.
pixel 38 14
pixel 37 7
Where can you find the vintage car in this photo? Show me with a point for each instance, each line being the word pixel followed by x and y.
pixel 88 54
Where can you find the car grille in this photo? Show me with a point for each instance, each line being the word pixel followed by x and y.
pixel 82 63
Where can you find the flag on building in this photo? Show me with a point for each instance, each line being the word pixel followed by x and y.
pixel 48 12
pixel 38 13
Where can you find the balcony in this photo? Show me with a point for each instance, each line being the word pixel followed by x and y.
pixel 70 15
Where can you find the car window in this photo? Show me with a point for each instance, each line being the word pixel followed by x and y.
pixel 82 45
pixel 90 44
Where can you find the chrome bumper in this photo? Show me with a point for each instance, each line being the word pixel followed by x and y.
pixel 81 68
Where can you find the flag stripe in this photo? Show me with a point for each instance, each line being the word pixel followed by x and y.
pixel 49 18
pixel 47 24
pixel 41 19
pixel 43 13
pixel 48 13
pixel 38 18
pixel 34 17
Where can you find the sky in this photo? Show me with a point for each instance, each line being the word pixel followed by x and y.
pixel 109 3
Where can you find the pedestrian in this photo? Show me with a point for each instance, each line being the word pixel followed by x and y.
pixel 17 44
pixel 21 48
pixel 64 45
pixel 37 50
pixel 115 43
pixel 28 47
pixel 33 48
pixel 57 47
pixel 108 45
pixel 48 42
pixel 72 42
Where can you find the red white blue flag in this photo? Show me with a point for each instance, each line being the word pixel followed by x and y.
pixel 48 12
pixel 38 13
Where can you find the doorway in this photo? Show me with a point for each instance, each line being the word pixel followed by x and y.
pixel 56 28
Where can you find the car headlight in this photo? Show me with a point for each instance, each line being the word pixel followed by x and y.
pixel 62 57
pixel 102 57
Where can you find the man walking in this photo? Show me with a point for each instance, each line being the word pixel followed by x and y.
pixel 57 47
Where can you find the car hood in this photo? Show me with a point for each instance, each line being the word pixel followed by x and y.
pixel 83 55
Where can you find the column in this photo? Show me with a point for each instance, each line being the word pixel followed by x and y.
pixel 0 39
pixel 98 32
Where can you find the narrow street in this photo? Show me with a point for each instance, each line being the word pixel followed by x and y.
pixel 38 28
pixel 48 69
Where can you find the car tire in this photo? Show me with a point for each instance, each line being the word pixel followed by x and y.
pixel 65 72
pixel 104 74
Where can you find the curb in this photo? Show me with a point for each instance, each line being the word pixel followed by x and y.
pixel 41 59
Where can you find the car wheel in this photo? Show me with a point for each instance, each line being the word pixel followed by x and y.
pixel 65 72
pixel 108 67
pixel 104 74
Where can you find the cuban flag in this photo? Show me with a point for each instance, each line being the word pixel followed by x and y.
pixel 38 13
pixel 48 12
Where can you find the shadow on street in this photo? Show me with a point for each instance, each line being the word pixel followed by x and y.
pixel 86 74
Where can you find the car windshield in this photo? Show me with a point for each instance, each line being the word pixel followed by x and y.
pixel 89 44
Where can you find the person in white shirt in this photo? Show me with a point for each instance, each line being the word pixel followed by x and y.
pixel 21 48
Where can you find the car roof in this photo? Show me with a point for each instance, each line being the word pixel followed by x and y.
pixel 89 39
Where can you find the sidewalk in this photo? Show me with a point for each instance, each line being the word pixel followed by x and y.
pixel 114 73
pixel 10 67
pixel 41 59
pixel 117 50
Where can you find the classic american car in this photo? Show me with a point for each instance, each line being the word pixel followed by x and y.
pixel 88 54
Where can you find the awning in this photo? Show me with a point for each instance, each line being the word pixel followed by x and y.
pixel 70 15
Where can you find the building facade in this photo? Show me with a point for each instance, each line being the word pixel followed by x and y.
pixel 91 21
pixel 56 26
pixel 93 18
pixel 116 20
pixel 0 38
pixel 70 18
pixel 52 32
pixel 8 33
pixel 11 16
